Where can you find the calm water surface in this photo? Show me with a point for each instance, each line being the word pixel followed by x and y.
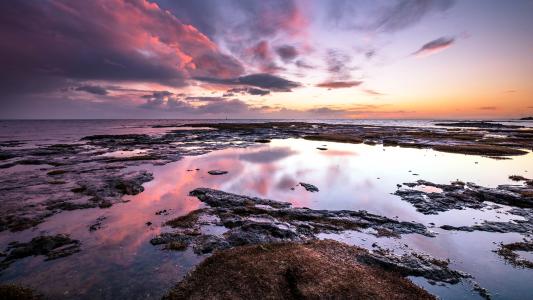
pixel 118 262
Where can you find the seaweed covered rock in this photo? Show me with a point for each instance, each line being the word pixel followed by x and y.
pixel 312 270
pixel 509 253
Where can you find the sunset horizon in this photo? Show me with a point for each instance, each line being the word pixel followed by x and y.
pixel 269 60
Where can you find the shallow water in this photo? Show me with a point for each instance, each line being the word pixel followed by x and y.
pixel 117 261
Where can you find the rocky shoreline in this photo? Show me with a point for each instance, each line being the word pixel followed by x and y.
pixel 94 173
pixel 86 174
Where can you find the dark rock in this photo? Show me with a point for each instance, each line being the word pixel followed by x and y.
pixel 97 224
pixel 209 243
pixel 264 141
pixel 56 172
pixel 478 125
pixel 508 252
pixel 253 220
pixel 309 187
pixel 459 195
pixel 415 265
pixel 16 292
pixel 6 156
pixel 480 149
pixel 217 172
pixel 52 247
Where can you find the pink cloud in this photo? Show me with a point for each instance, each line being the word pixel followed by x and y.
pixel 434 46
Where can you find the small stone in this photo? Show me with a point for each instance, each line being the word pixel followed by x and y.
pixel 217 172
pixel 309 187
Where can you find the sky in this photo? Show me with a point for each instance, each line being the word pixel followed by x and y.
pixel 236 59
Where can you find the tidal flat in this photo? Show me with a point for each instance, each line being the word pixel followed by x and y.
pixel 145 209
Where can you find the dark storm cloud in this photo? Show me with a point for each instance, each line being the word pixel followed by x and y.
pixel 261 80
pixel 339 84
pixel 303 64
pixel 204 98
pixel 167 101
pixel 287 53
pixel 394 16
pixel 268 81
pixel 434 46
pixel 351 110
pixel 50 42
pixel 93 89
pixel 250 91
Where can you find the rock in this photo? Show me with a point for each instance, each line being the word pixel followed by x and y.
pixel 459 195
pixel 217 172
pixel 478 125
pixel 312 270
pixel 97 224
pixel 508 252
pixel 56 172
pixel 209 243
pixel 16 292
pixel 253 220
pixel 415 265
pixel 52 247
pixel 480 149
pixel 176 245
pixel 105 179
pixel 309 187
pixel 264 141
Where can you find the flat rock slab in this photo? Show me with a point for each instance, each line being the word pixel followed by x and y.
pixel 252 220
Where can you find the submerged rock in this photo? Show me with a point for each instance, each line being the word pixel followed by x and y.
pixel 97 223
pixel 51 246
pixel 312 270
